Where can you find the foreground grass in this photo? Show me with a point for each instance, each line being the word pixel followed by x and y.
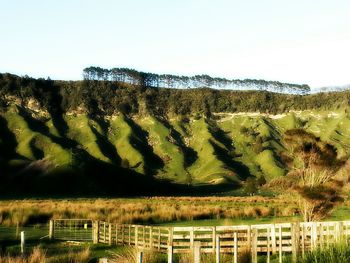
pixel 337 253
pixel 128 255
pixel 54 253
pixel 40 255
pixel 38 251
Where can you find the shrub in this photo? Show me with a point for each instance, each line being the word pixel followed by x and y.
pixel 250 186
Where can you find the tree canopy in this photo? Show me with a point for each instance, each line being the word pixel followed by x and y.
pixel 134 77
pixel 108 97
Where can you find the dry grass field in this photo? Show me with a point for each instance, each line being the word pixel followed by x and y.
pixel 155 210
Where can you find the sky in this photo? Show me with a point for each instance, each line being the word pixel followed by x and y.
pixel 299 41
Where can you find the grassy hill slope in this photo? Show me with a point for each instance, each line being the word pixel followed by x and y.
pixel 105 133
pixel 191 151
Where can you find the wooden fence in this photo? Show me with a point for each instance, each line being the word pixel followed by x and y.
pixel 295 238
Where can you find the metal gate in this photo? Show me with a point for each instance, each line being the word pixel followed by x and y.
pixel 72 229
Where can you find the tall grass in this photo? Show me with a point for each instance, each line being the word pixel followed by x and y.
pixel 143 210
pixel 335 253
pixel 128 255
pixel 39 255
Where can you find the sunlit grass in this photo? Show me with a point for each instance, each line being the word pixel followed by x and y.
pixel 145 210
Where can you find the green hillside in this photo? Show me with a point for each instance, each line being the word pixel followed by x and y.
pixel 48 137
pixel 32 142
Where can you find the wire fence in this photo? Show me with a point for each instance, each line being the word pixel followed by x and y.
pixel 72 229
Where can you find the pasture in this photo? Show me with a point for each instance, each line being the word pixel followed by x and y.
pixel 33 215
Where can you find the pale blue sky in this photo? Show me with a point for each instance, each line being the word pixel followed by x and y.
pixel 300 41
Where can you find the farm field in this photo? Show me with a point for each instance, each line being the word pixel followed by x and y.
pixel 154 210
pixel 32 216
pixel 158 210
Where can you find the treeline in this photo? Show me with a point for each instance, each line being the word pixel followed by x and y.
pixel 134 77
pixel 109 97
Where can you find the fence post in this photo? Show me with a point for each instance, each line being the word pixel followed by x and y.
pixel 51 230
pixel 143 237
pixel 214 238
pixel 151 237
pixel 139 256
pixel 116 234
pixel 170 245
pixel 23 242
pixel 313 235
pixel 254 246
pixel 192 237
pixel 328 235
pixel 249 238
pixel 295 234
pixel 280 247
pixel 320 231
pixel 95 231
pixel 170 238
pixel 110 234
pixel 217 249
pixel 303 240
pixel 292 233
pixel 273 238
pixel 170 254
pixel 136 236
pixel 197 252
pixel 159 238
pixel 17 230
pixel 123 234
pixel 268 244
pixel 235 248
pixel 346 233
pixel 338 232
pixel 104 232
pixel 341 232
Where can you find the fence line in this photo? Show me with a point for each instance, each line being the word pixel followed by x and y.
pixel 269 239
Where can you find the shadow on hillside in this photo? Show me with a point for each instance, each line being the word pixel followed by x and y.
pixel 106 147
pixel 139 141
pixel 60 124
pixel 98 179
pixel 79 155
pixel 40 127
pixel 190 155
pixel 277 140
pixel 220 135
pixel 9 141
pixel 38 153
pixel 273 130
pixel 56 111
pixel 226 154
pixel 241 170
